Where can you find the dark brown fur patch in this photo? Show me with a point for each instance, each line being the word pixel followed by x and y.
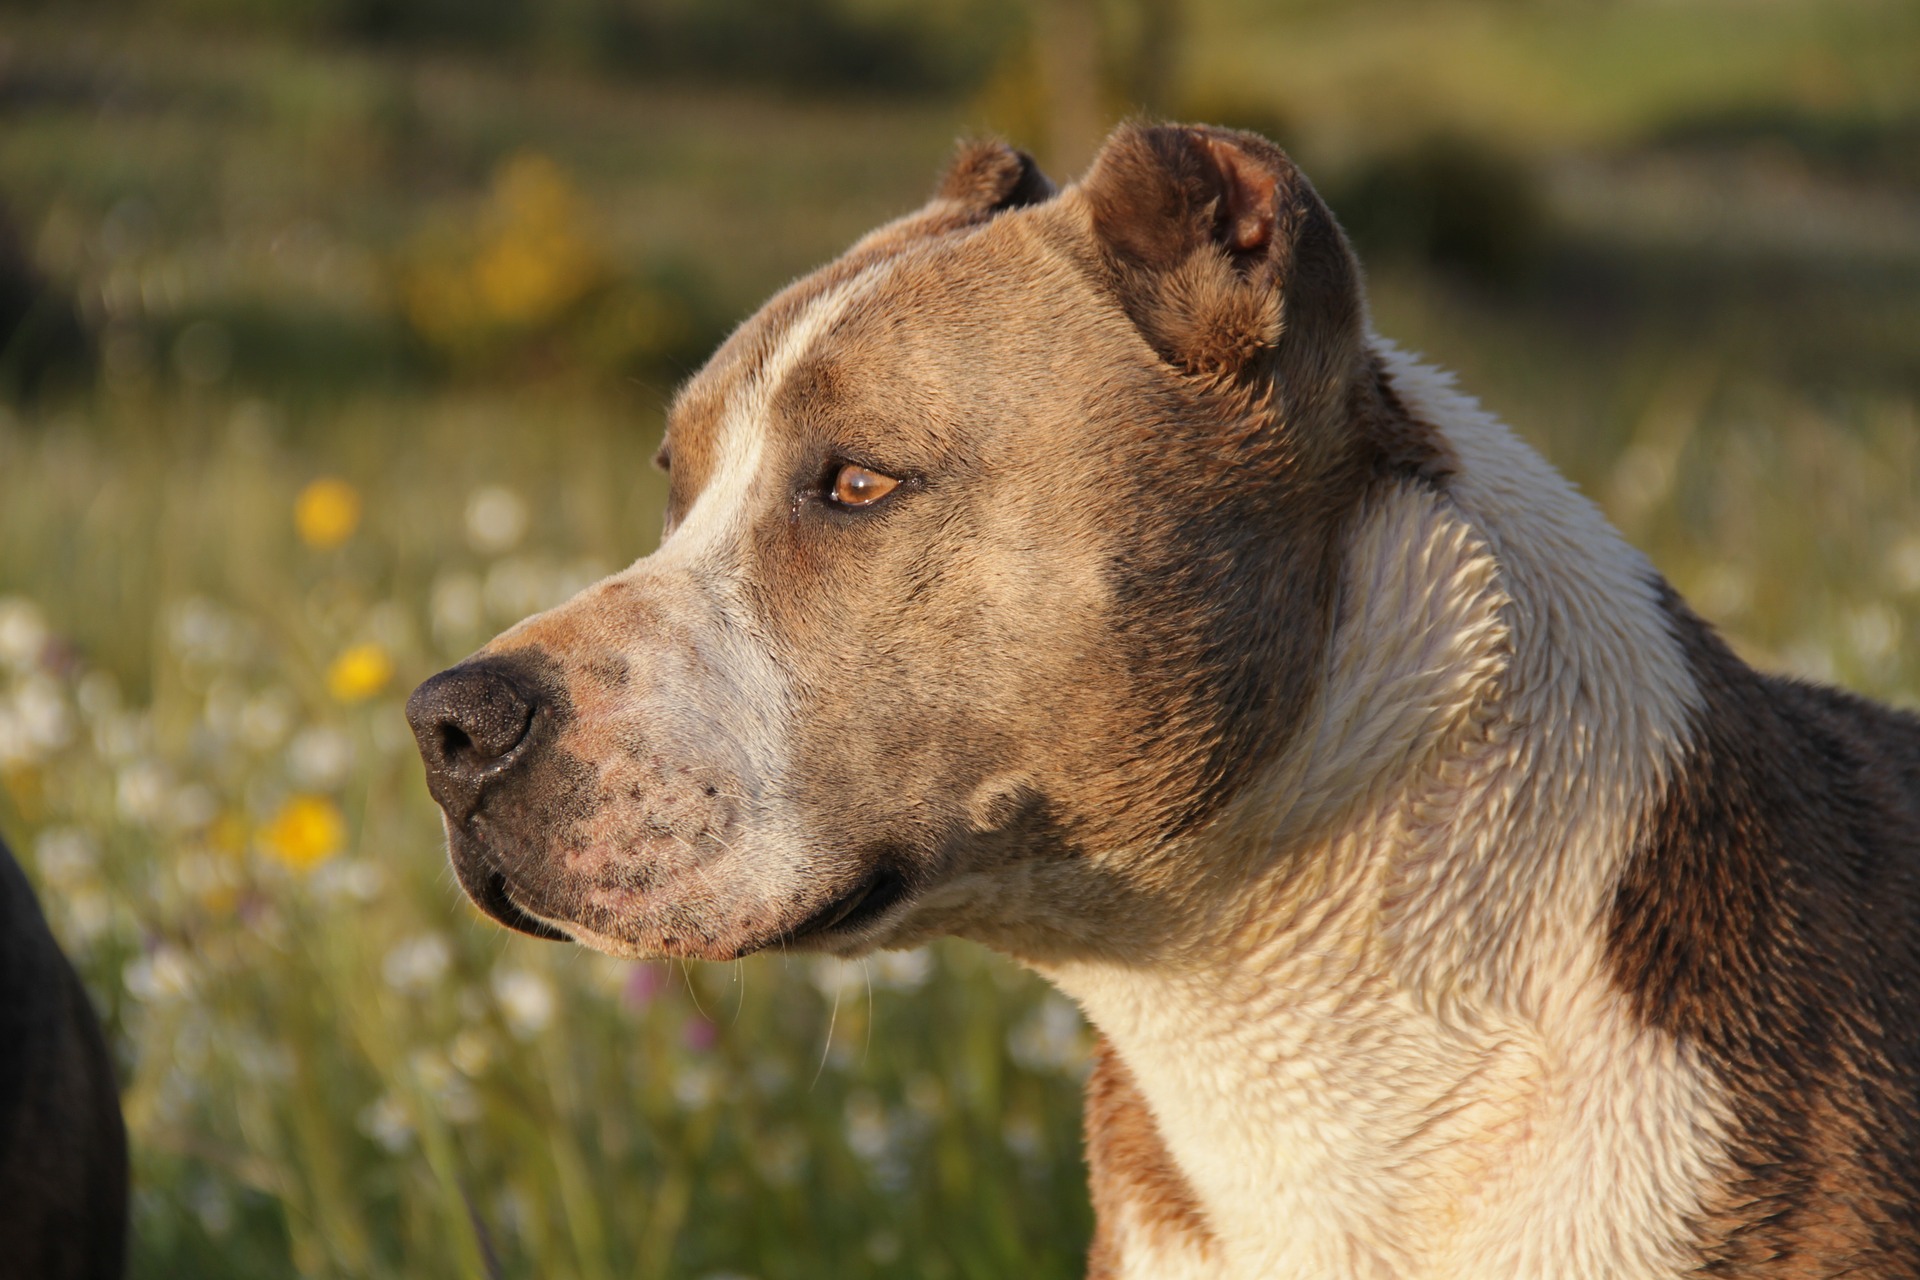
pixel 1229 261
pixel 1772 920
pixel 1130 1174
pixel 988 176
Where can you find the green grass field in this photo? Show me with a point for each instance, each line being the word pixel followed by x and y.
pixel 382 346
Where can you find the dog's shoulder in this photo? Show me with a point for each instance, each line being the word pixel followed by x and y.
pixel 1771 919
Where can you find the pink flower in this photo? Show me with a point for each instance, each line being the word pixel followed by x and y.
pixel 699 1034
pixel 644 982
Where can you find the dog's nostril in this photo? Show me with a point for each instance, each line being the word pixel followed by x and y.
pixel 454 740
pixel 468 721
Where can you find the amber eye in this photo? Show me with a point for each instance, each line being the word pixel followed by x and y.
pixel 858 487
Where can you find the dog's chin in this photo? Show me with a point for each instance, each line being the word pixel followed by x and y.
pixel 624 922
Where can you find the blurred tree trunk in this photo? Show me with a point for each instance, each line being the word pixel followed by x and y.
pixel 1155 71
pixel 1068 36
pixel 1098 60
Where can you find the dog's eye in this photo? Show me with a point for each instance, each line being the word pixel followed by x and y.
pixel 855 486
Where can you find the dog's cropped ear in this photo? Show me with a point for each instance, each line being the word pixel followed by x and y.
pixel 1226 258
pixel 987 176
pixel 984 178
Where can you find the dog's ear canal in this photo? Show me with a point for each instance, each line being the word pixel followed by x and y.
pixel 987 177
pixel 1226 257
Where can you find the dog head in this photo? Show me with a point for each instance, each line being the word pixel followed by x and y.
pixel 1000 555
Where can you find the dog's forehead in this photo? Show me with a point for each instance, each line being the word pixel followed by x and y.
pixel 880 331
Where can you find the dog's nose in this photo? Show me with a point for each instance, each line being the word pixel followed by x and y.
pixel 470 721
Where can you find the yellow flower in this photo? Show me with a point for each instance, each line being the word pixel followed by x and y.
pixel 326 513
pixel 306 832
pixel 359 673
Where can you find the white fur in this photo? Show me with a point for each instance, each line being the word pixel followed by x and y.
pixel 1145 1253
pixel 722 511
pixel 1399 1054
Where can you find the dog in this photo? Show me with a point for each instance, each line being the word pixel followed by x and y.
pixel 1076 572
pixel 63 1145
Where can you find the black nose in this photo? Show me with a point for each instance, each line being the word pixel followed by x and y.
pixel 471 722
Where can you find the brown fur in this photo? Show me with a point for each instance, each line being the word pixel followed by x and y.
pixel 1772 918
pixel 1130 1175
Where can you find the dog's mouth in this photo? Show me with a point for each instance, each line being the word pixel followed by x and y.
pixel 868 900
pixel 494 899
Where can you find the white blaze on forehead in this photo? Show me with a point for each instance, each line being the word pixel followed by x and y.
pixel 721 512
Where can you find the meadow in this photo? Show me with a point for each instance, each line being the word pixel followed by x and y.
pixel 375 346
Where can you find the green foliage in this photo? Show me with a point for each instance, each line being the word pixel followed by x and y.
pixel 894 46
pixel 1458 205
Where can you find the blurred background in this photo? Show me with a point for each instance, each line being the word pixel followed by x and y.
pixel 334 336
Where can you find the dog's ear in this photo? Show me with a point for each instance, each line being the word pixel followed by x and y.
pixel 1226 258
pixel 987 176
pixel 984 178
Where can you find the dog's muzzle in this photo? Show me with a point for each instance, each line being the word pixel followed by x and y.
pixel 476 724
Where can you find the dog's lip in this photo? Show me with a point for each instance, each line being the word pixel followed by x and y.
pixel 871 897
pixel 496 899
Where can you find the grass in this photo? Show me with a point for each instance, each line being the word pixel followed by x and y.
pixel 333 1067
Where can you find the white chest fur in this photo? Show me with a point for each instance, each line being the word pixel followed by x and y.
pixel 1395 1051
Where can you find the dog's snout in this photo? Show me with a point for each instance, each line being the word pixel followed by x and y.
pixel 470 722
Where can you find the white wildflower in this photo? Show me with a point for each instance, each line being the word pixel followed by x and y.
pixel 450 1091
pixel 66 857
pixel 213 1205
pixel 903 970
pixel 1022 1136
pixel 265 719
pixel 320 757
pixel 696 1086
pixel 526 1001
pixel 1874 630
pixel 1051 1038
pixel 518 586
pixel 418 964
pixel 457 608
pixel 347 880
pixel 141 792
pixel 16 745
pixel 387 1123
pixel 1810 659
pixel 203 632
pixel 496 520
pixel 23 633
pixel 121 736
pixel 161 977
pixel 869 1136
pixel 42 713
pixel 471 1051
pixel 88 914
pixel 1903 563
pixel 837 978
pixel 98 695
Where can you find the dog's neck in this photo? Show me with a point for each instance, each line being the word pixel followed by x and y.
pixel 1387 1043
